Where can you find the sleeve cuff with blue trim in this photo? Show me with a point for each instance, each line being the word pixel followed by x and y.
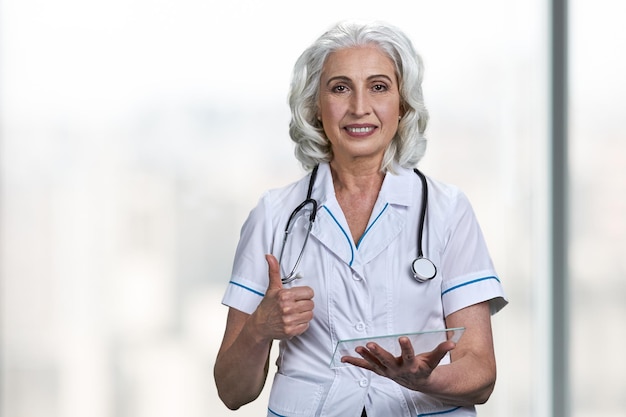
pixel 471 290
pixel 242 295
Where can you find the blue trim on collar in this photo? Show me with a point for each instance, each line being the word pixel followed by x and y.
pixel 370 226
pixel 344 233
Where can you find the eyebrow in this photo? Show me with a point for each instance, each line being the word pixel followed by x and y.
pixel 348 79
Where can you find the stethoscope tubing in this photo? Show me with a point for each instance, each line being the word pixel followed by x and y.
pixel 423 268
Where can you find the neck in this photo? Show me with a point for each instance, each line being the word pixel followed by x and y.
pixel 357 178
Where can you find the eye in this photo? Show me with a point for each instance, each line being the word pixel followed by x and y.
pixel 379 87
pixel 340 88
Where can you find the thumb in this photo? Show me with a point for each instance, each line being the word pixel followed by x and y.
pixel 435 356
pixel 274 273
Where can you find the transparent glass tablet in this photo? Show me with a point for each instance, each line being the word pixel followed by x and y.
pixel 421 341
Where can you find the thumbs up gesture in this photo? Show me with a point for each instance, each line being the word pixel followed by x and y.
pixel 283 312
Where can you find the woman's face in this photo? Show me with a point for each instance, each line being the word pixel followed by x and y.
pixel 359 103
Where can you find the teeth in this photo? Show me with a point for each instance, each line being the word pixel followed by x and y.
pixel 360 129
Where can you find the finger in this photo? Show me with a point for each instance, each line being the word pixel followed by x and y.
pixel 275 281
pixel 366 361
pixel 377 356
pixel 361 363
pixel 408 354
pixel 305 293
pixel 435 356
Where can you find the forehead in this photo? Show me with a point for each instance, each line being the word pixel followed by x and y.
pixel 367 60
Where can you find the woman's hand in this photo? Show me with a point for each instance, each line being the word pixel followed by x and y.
pixel 284 312
pixel 409 370
pixel 242 361
pixel 469 378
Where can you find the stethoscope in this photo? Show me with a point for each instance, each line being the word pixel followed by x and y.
pixel 423 268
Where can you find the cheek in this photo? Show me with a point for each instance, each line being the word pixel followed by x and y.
pixel 387 107
pixel 392 110
pixel 390 117
pixel 330 114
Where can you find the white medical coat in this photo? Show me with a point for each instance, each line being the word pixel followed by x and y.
pixel 364 289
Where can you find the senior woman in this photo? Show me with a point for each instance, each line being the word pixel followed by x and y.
pixel 345 270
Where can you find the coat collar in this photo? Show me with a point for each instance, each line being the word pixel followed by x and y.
pixel 397 189
pixel 387 220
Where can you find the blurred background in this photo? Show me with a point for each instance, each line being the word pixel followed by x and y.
pixel 136 136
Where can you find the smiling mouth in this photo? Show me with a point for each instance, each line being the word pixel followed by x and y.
pixel 360 129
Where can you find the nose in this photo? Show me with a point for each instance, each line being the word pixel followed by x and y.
pixel 359 103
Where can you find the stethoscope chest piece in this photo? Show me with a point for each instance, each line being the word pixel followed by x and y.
pixel 423 269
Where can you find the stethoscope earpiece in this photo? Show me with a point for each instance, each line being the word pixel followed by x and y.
pixel 423 269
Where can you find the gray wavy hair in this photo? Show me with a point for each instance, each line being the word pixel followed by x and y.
pixel 312 147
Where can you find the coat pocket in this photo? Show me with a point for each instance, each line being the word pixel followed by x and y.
pixel 291 397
